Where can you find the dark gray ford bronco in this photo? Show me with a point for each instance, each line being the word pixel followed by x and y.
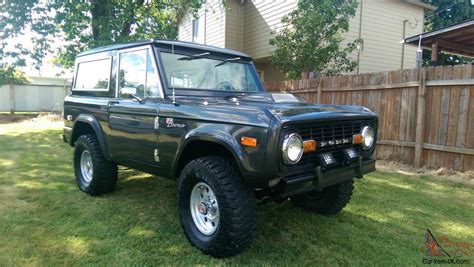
pixel 199 114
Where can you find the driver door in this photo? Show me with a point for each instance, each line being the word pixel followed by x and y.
pixel 133 132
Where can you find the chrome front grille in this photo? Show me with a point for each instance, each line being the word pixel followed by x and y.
pixel 324 132
pixel 328 131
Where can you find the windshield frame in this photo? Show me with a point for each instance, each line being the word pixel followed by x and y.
pixel 184 51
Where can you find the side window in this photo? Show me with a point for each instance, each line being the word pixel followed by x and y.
pixel 132 73
pixel 138 75
pixel 153 84
pixel 93 75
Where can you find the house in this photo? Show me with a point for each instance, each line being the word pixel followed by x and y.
pixel 246 26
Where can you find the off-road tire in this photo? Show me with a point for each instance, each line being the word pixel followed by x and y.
pixel 104 178
pixel 236 202
pixel 329 201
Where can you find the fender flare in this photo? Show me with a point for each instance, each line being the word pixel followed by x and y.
pixel 94 123
pixel 217 137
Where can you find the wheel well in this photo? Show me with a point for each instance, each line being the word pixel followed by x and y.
pixel 197 149
pixel 80 128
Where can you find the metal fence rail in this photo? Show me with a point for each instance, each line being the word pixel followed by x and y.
pixel 41 95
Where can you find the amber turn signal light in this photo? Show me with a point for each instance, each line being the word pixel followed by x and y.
pixel 248 141
pixel 309 145
pixel 357 139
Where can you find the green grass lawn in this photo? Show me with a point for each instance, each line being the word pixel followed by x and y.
pixel 46 220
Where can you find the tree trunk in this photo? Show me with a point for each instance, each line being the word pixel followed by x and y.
pixel 99 12
pixel 127 26
pixel 304 75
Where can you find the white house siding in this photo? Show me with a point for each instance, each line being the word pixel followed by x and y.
pixel 215 23
pixel 269 71
pixel 185 28
pixel 262 17
pixel 382 31
pixel 212 16
pixel 247 26
pixel 234 25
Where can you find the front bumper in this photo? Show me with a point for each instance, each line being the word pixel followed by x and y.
pixel 319 179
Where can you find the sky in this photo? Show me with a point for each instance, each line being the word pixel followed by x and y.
pixel 48 69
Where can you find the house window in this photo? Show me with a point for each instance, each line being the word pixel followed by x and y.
pixel 195 29
pixel 198 30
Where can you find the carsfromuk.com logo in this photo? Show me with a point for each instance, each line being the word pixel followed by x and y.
pixel 444 251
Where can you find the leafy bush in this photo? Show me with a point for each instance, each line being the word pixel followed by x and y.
pixel 9 74
pixel 311 39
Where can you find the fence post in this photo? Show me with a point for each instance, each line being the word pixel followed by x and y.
pixel 65 87
pixel 12 98
pixel 318 96
pixel 420 118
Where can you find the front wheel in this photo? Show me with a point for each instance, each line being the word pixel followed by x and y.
pixel 329 201
pixel 217 210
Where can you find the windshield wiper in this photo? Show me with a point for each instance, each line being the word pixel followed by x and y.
pixel 134 96
pixel 192 57
pixel 228 60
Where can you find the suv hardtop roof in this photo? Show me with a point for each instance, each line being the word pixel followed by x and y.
pixel 184 44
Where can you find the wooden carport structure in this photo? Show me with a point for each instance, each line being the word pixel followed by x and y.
pixel 457 40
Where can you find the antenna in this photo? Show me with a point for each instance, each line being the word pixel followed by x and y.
pixel 172 73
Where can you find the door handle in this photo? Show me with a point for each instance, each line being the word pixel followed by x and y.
pixel 113 102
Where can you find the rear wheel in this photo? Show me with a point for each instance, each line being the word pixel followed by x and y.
pixel 95 175
pixel 329 201
pixel 217 211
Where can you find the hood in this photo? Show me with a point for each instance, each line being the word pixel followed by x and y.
pixel 259 108
pixel 288 107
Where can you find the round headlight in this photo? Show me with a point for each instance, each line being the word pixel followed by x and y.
pixel 292 148
pixel 368 134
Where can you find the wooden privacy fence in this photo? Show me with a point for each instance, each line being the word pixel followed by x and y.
pixel 426 116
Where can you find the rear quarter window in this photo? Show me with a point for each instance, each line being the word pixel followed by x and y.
pixel 93 77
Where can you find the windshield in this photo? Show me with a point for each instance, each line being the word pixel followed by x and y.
pixel 197 72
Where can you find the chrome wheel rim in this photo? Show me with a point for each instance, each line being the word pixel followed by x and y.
pixel 204 208
pixel 86 166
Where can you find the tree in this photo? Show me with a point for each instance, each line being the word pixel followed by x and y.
pixel 82 25
pixel 11 75
pixel 449 13
pixel 311 38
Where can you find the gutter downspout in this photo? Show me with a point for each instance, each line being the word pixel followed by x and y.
pixel 360 35
pixel 419 53
pixel 403 44
pixel 205 22
pixel 240 24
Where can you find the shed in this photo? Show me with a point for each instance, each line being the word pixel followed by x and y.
pixel 457 40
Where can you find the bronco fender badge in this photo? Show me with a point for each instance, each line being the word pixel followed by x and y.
pixel 171 124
